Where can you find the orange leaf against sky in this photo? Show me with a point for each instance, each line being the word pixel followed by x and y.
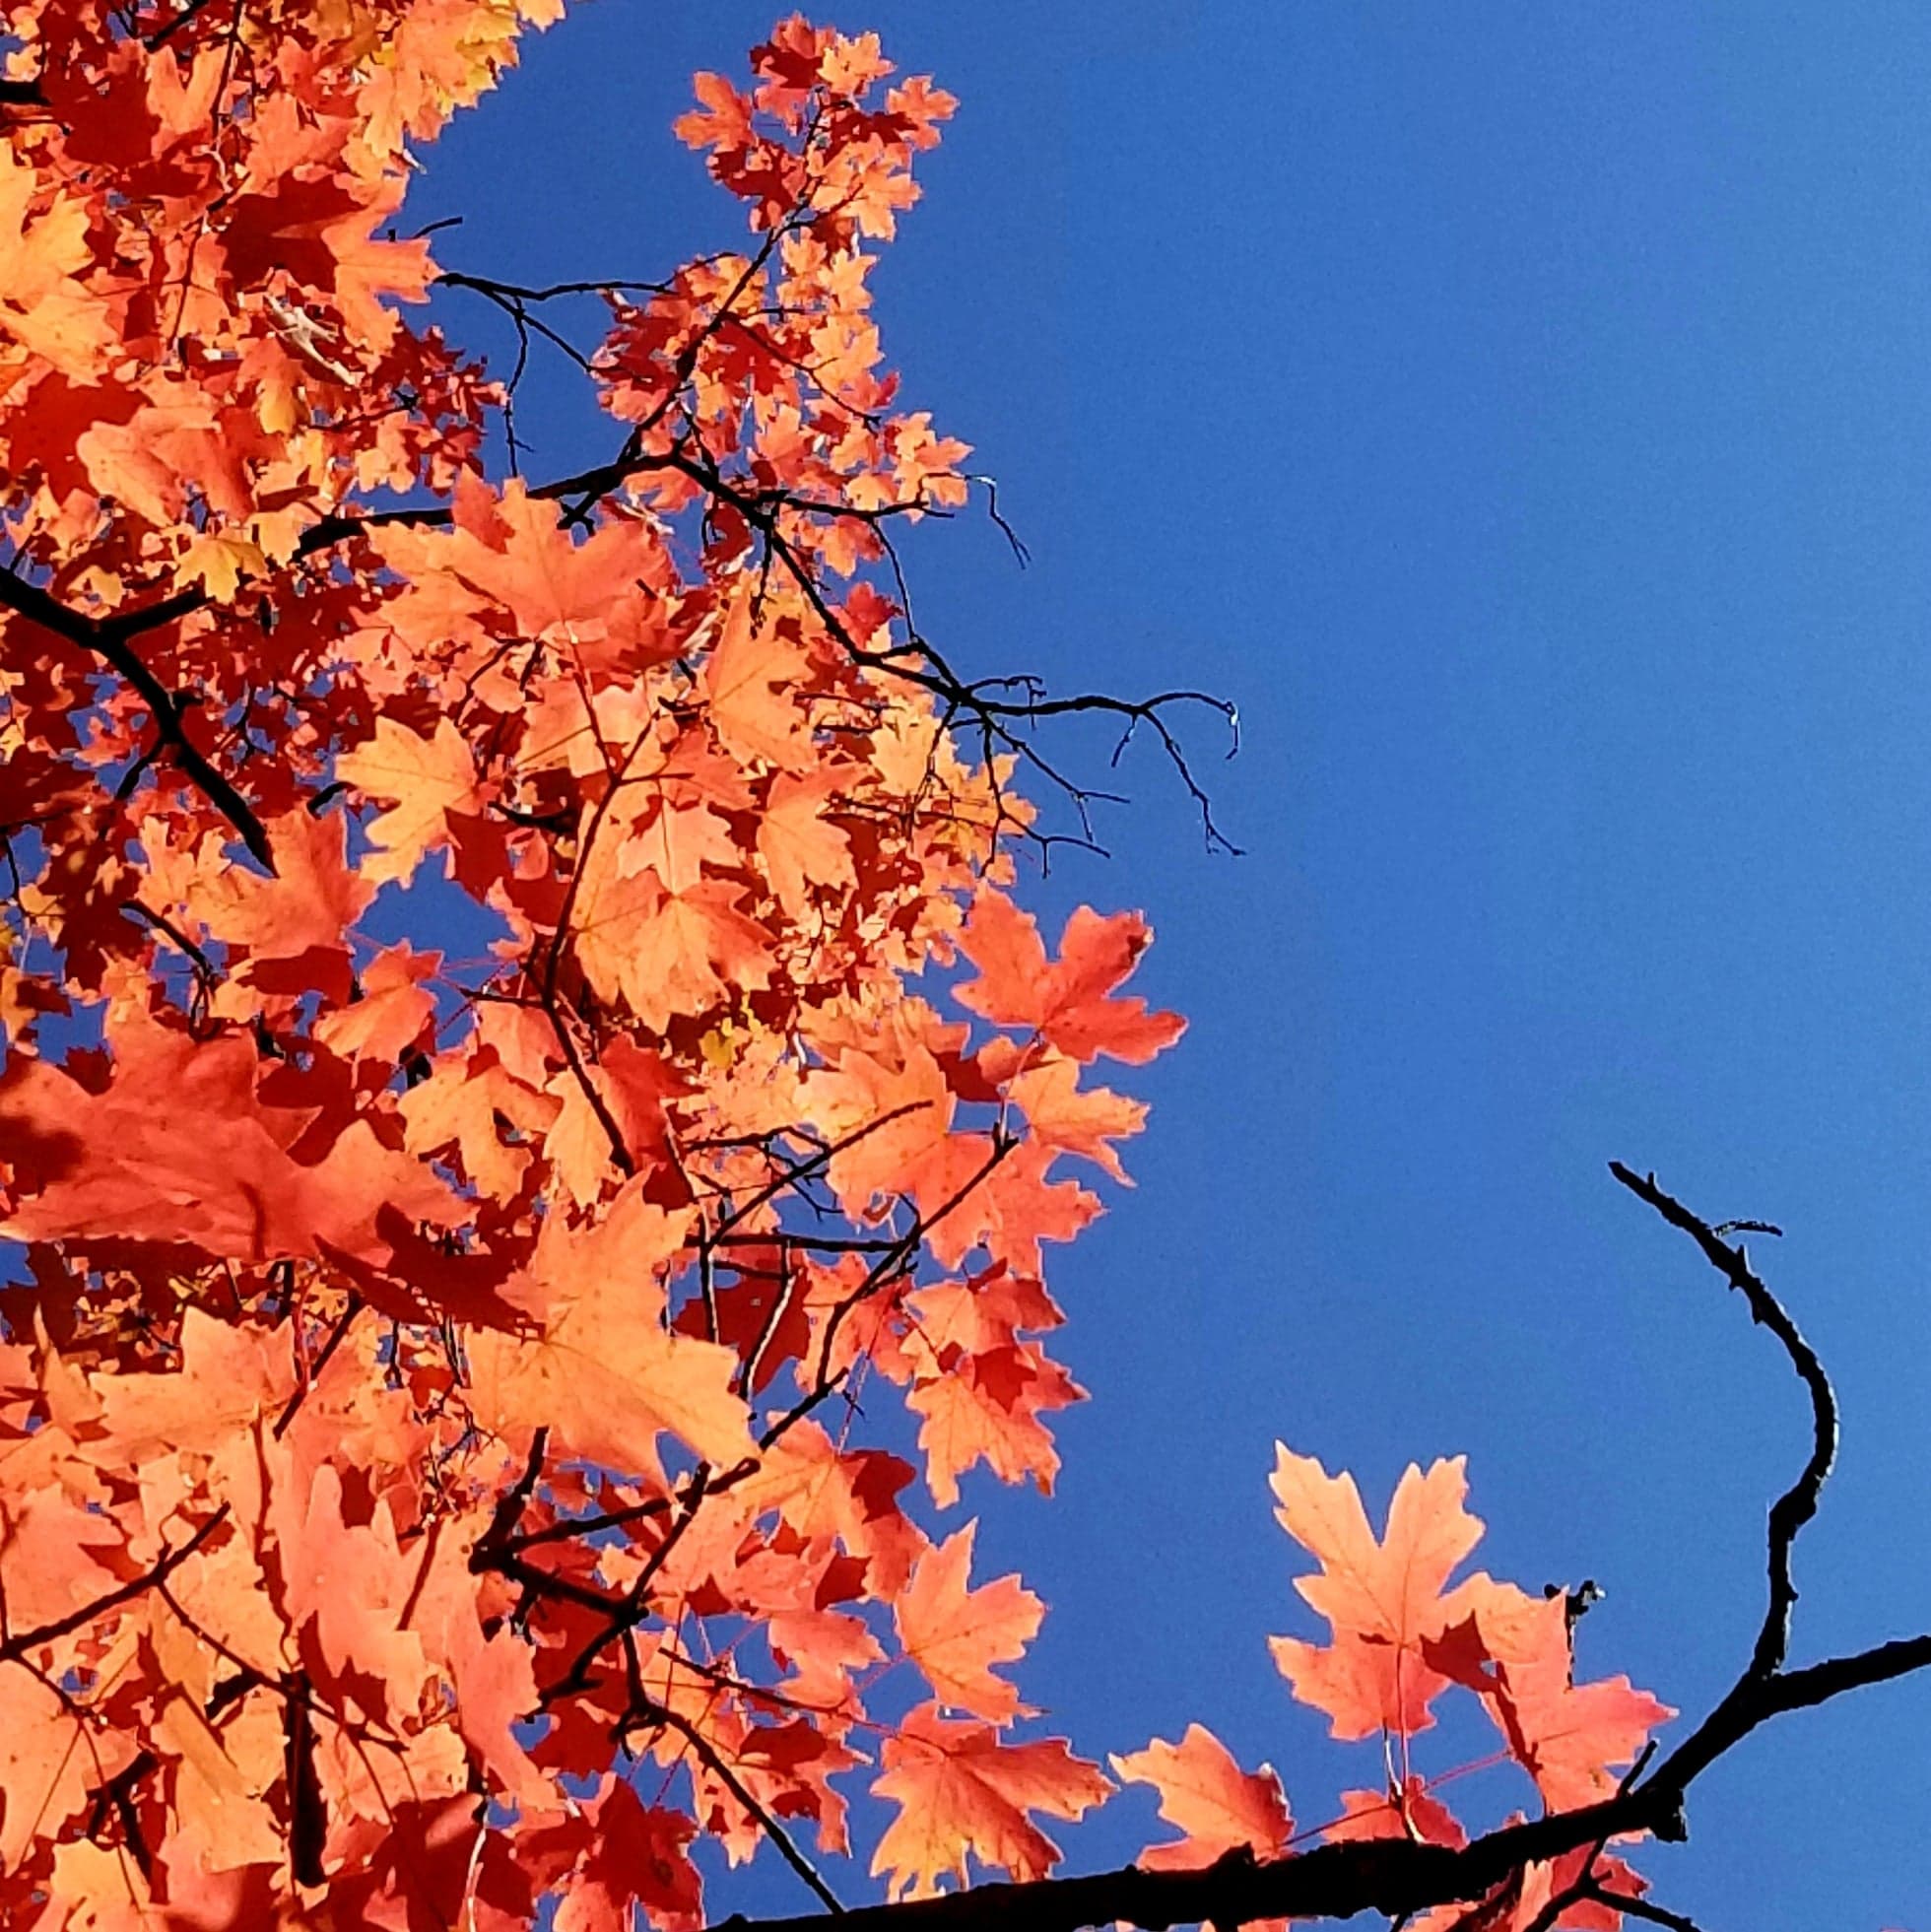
pixel 1214 1803
pixel 308 906
pixel 1382 1596
pixel 964 1794
pixel 1514 1651
pixel 988 1405
pixel 1069 1003
pixel 954 1633
pixel 1084 1122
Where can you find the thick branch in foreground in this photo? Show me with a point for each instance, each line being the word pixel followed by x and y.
pixel 1397 1877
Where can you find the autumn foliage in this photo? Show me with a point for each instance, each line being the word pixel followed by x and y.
pixel 433 1478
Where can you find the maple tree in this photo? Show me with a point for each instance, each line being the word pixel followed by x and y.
pixel 432 1479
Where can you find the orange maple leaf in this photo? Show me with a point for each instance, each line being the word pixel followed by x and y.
pixel 1070 1003
pixel 1383 1597
pixel 1513 1649
pixel 45 307
pixel 424 781
pixel 962 1794
pixel 722 122
pixel 954 1633
pixel 87 1165
pixel 1216 1805
pixel 986 1405
pixel 601 1372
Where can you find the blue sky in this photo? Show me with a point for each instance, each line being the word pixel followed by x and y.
pixel 1521 412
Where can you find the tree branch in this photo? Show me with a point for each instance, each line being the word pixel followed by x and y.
pixel 1399 1876
pixel 1798 1504
pixel 107 639
pixel 18 1644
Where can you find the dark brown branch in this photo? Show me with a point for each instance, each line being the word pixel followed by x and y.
pixel 656 1713
pixel 107 639
pixel 162 35
pixel 1798 1504
pixel 336 1336
pixel 798 1171
pixel 18 1644
pixel 1815 1684
pixel 921 663
pixel 1641 1908
pixel 116 1798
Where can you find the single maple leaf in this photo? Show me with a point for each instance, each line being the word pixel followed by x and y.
pixel 888 1097
pixel 963 1793
pixel 59 1544
pixel 601 1372
pixel 393 1011
pixel 47 1771
pixel 850 1495
pixel 1069 1004
pixel 471 1099
pixel 954 1633
pixel 219 564
pixel 305 911
pixel 45 307
pixel 1514 1651
pixel 667 951
pixel 921 106
pixel 209 1406
pixel 1383 1597
pixel 425 779
pixel 492 1677
pixel 1216 1805
pixel 987 1406
pixel 348 1583
pixel 722 122
pixel 1077 1121
pixel 825 1650
pixel 800 846
pixel 751 678
pixel 178 1148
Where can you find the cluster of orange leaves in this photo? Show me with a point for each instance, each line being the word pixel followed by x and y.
pixel 429 1475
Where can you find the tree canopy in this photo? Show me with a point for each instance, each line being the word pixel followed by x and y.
pixel 473 1427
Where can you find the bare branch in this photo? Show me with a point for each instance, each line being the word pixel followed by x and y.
pixel 656 1713
pixel 1641 1908
pixel 1798 1504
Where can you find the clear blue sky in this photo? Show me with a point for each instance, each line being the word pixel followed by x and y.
pixel 1522 411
